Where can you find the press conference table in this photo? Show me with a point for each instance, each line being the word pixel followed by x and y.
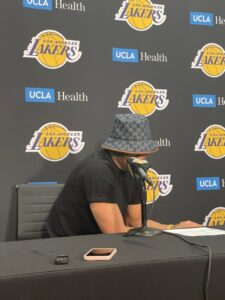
pixel 156 268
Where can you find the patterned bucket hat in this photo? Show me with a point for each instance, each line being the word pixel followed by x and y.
pixel 130 134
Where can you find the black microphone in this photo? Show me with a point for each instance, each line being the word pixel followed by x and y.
pixel 139 167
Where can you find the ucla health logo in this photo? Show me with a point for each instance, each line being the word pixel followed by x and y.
pixel 207 183
pixel 49 95
pixel 201 18
pixel 212 141
pixel 161 185
pixel 215 218
pixel 205 19
pixel 38 4
pixel 53 141
pixel 141 15
pixel 125 55
pixel 52 50
pixel 207 101
pixel 43 95
pixel 201 100
pixel 143 99
pixel 211 60
pixel 59 4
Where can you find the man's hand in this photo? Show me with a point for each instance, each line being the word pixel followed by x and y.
pixel 187 224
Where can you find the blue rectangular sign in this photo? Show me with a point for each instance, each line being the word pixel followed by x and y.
pixel 201 18
pixel 207 183
pixel 203 100
pixel 42 95
pixel 38 4
pixel 125 55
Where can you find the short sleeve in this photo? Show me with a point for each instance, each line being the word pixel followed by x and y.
pixel 98 183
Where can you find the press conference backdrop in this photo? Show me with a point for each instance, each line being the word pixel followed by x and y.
pixel 67 67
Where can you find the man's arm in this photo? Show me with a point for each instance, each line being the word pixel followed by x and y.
pixel 108 217
pixel 183 224
pixel 110 220
pixel 133 215
pixel 133 218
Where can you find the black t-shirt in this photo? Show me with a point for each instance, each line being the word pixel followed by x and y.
pixel 95 179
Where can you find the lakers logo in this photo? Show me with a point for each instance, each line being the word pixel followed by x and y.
pixel 54 142
pixel 161 185
pixel 52 50
pixel 143 99
pixel 212 141
pixel 211 60
pixel 141 14
pixel 216 218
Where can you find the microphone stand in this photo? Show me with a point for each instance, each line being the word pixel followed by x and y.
pixel 144 230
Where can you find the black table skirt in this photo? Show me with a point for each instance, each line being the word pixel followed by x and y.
pixel 157 268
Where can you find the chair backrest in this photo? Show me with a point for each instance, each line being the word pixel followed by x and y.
pixel 34 204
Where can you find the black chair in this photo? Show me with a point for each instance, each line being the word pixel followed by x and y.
pixel 34 204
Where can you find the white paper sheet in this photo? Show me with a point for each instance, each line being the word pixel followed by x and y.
pixel 200 231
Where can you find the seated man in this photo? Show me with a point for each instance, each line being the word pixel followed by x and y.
pixel 100 195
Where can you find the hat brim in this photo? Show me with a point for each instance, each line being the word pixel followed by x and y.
pixel 130 147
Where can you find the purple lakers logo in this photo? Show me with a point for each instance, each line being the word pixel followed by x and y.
pixel 52 50
pixel 212 141
pixel 216 218
pixel 161 185
pixel 141 15
pixel 211 60
pixel 143 99
pixel 54 142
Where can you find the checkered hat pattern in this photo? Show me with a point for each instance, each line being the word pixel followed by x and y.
pixel 130 134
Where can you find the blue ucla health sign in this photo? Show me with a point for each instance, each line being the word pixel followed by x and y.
pixel 42 95
pixel 125 55
pixel 38 4
pixel 207 183
pixel 203 100
pixel 201 18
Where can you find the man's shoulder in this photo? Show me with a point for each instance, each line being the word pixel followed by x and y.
pixel 99 160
